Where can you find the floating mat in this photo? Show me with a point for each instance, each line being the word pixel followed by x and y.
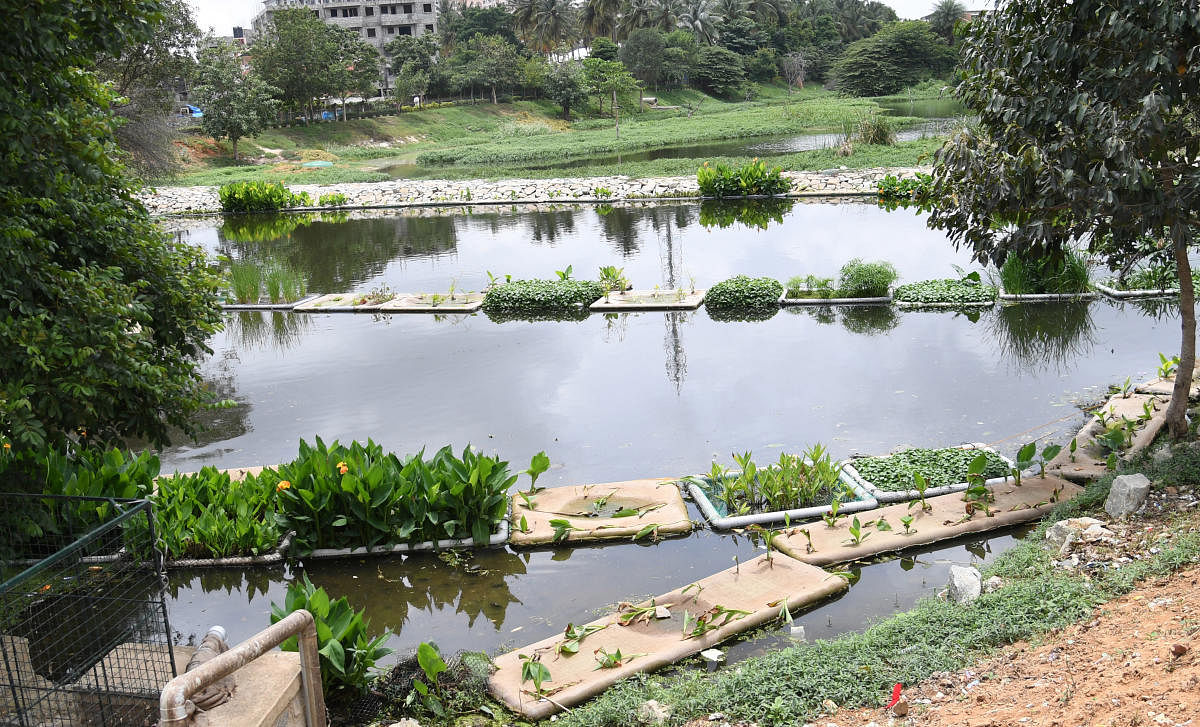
pixel 423 303
pixel 1013 505
pixel 334 303
pixel 759 586
pixel 1166 386
pixel 657 500
pixel 1090 459
pixel 635 300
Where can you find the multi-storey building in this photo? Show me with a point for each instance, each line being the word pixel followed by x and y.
pixel 376 22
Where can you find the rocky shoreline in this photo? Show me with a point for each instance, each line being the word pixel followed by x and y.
pixel 420 192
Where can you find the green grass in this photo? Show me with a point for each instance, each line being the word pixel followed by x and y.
pixel 505 140
pixel 858 670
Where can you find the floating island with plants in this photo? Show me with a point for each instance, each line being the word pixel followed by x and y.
pixel 1046 279
pixel 858 282
pixel 1145 281
pixel 796 487
pixel 348 302
pixel 917 473
pixel 964 292
pixel 253 285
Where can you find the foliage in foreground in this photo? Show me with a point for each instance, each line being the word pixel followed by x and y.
pixel 859 669
pixel 541 296
pixel 347 651
pixel 209 515
pixel 749 179
pixel 102 315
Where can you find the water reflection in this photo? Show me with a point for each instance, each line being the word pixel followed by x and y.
pixel 267 329
pixel 1044 335
pixel 757 214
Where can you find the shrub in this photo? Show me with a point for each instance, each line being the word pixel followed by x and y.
pixel 859 279
pixel 914 188
pixel 898 55
pixel 348 654
pixel 876 129
pixel 241 197
pixel 331 199
pixel 357 496
pixel 719 71
pixel 946 291
pixel 753 178
pixel 1068 274
pixel 741 292
pixel 210 515
pixel 541 296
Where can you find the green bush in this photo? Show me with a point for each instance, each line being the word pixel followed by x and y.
pixel 876 129
pixel 744 293
pixel 348 653
pixel 1068 274
pixel 914 188
pixel 242 197
pixel 946 291
pixel 541 296
pixel 859 279
pixel 331 199
pixel 356 496
pixel 753 178
pixel 210 515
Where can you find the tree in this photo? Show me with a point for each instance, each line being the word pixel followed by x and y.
pixel 642 54
pixel 1090 132
pixel 473 21
pixel 102 316
pixel 610 78
pixel 604 49
pixel 719 71
pixel 565 85
pixel 946 14
pixel 355 69
pixel 145 76
pixel 680 54
pixel 763 66
pixel 554 24
pixel 599 17
pixel 701 18
pixel 742 36
pixel 295 55
pixel 412 81
pixel 899 55
pixel 793 66
pixel 635 14
pixel 236 103
pixel 415 51
pixel 664 15
pixel 496 61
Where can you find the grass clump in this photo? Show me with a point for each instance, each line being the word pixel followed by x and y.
pixel 542 296
pixel 940 467
pixel 788 686
pixel 744 293
pixel 946 291
pixel 284 283
pixel 877 130
pixel 1067 274
pixel 859 279
pixel 245 281
pixel 810 286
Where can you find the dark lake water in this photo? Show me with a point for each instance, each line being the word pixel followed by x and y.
pixel 625 396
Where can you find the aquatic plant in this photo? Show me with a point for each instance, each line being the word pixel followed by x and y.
pixel 793 482
pixel 744 293
pixel 542 296
pixel 936 467
pixel 753 178
pixel 245 280
pixel 968 289
pixel 1023 275
pixel 859 279
pixel 284 283
pixel 210 515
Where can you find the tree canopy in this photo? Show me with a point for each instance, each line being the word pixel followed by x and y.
pixel 101 315
pixel 236 103
pixel 1089 132
pixel 898 55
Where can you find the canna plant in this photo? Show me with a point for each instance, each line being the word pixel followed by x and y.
pixel 907 521
pixel 857 532
pixel 921 484
pixel 533 670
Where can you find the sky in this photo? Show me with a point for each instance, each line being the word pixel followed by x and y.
pixel 222 15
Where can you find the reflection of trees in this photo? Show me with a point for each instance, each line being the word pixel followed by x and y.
pixel 741 315
pixel 1155 308
pixel 392 588
pixel 869 320
pixel 676 356
pixel 546 227
pixel 335 255
pixel 577 315
pixel 1035 335
pixel 754 213
pixel 248 582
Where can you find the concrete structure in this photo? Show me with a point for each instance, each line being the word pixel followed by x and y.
pixel 376 22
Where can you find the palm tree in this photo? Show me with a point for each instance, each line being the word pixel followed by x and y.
pixel 769 9
pixel 700 17
pixel 946 13
pixel 599 17
pixel 731 9
pixel 525 14
pixel 554 24
pixel 636 14
pixel 664 14
pixel 447 13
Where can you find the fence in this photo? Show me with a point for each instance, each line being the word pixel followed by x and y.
pixel 84 635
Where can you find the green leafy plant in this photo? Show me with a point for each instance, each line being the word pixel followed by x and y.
pixel 907 521
pixel 743 293
pixel 564 274
pixel 793 482
pixel 542 296
pixel 977 495
pixel 242 197
pixel 573 636
pixel 1048 453
pixel 631 614
pixel 712 619
pixel 210 515
pixel 946 291
pixel 562 529
pixel 429 691
pixel 831 518
pixel 348 654
pixel 858 279
pixel 606 660
pixel 909 189
pixel 938 467
pixel 357 496
pixel 648 531
pixel 538 464
pixel 533 670
pixel 752 178
pixel 810 286
pixel 331 199
pixel 857 532
pixel 921 485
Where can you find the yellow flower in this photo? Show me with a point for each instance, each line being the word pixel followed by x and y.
pixel 7 445
pixel 342 468
pixel 283 485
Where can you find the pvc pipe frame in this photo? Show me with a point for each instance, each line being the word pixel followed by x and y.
pixel 173 704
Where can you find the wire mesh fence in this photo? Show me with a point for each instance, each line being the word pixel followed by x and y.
pixel 84 635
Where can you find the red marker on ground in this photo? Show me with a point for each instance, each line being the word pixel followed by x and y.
pixel 895 696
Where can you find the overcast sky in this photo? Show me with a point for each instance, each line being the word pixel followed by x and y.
pixel 222 15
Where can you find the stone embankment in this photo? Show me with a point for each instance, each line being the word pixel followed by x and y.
pixel 414 192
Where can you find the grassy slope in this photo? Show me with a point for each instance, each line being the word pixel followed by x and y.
pixel 788 686
pixel 491 138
